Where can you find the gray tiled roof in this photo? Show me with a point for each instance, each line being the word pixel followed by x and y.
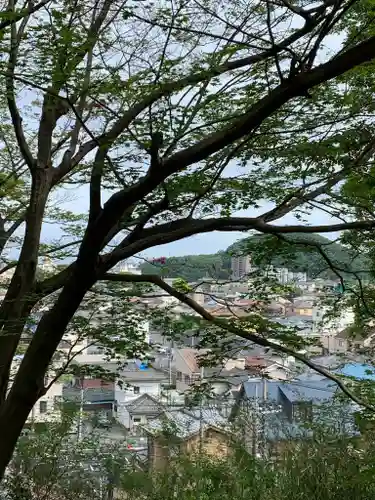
pixel 295 392
pixel 186 423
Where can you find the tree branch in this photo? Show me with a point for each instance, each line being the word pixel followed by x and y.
pixel 22 13
pixel 226 325
pixel 166 89
pixel 294 87
pixel 177 230
pixel 11 98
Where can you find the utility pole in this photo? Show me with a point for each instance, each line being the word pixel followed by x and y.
pixel 80 414
pixel 201 433
pixel 256 423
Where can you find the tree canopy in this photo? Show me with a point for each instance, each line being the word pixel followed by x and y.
pixel 171 119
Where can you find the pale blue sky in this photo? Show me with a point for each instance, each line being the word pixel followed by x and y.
pixel 76 200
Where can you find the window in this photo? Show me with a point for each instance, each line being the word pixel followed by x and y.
pixel 137 420
pixel 187 379
pixel 136 390
pixel 179 376
pixel 341 343
pixel 43 406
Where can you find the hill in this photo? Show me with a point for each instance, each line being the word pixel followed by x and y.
pixel 266 250
pixel 192 267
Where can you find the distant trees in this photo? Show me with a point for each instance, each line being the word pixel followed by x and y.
pixel 191 267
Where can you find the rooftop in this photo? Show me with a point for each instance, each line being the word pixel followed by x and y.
pixel 302 389
pixel 191 357
pixel 186 423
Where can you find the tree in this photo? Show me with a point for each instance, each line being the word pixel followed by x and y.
pixel 153 107
pixel 51 463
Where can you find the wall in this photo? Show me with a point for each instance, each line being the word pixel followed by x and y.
pixel 50 402
pixel 158 453
pixel 276 372
pixel 333 344
pixel 325 325
pixel 180 364
pixel 239 363
pixel 215 444
pixel 219 387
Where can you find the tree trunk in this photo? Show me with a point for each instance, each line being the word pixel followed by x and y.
pixel 28 385
pixel 14 308
pixel 14 329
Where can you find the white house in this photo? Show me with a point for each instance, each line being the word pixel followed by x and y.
pixel 327 326
pixel 133 382
pixel 47 407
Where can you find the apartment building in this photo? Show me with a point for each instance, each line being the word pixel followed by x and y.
pixel 241 266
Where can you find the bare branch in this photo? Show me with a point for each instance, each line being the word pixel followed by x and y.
pixel 166 89
pixel 11 99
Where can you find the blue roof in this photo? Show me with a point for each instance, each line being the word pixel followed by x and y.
pixel 304 389
pixel 359 371
pixel 278 428
pixel 316 388
pixel 295 393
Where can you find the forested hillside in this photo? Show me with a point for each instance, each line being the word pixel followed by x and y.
pixel 192 267
pixel 265 250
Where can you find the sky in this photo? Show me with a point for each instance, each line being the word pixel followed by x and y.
pixel 76 200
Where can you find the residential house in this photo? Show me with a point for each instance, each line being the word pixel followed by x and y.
pixel 270 415
pixel 131 382
pixel 346 340
pixel 302 308
pixel 278 306
pixel 139 412
pixel 334 330
pixel 186 367
pixel 221 378
pixel 185 432
pixel 223 384
pixel 236 308
pixel 92 395
pixel 274 367
pixel 48 407
pixel 134 381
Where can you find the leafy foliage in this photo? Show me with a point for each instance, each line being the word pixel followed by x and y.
pixel 170 118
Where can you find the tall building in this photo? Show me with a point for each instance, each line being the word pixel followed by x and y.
pixel 241 266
